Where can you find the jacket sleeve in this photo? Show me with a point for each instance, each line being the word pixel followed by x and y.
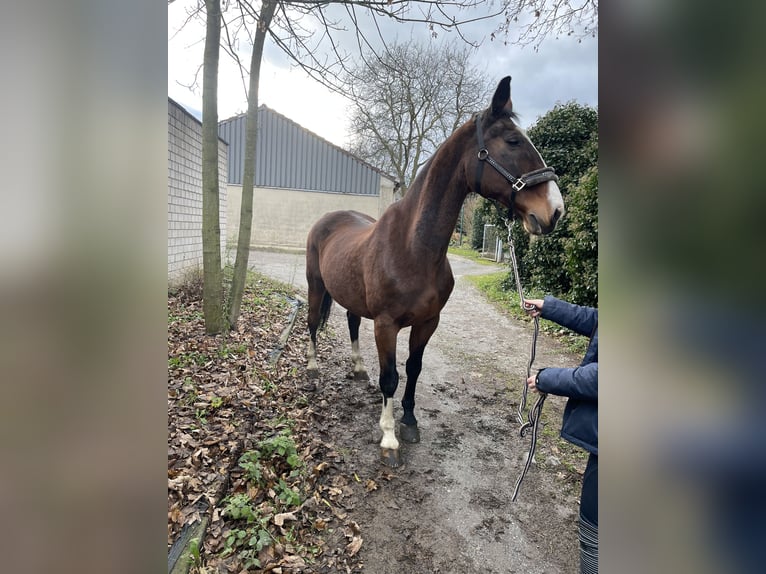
pixel 578 382
pixel 581 320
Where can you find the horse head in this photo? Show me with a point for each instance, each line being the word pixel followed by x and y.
pixel 520 180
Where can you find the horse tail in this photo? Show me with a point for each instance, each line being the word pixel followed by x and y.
pixel 324 309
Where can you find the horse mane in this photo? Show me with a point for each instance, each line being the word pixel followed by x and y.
pixel 423 171
pixel 511 114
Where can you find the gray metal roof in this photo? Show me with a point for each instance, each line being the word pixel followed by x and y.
pixel 290 156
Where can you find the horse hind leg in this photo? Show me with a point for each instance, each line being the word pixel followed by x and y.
pixel 320 302
pixel 360 373
pixel 312 370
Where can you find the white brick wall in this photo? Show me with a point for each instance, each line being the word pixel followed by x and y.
pixel 185 192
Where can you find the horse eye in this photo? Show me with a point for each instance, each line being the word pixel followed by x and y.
pixel 513 141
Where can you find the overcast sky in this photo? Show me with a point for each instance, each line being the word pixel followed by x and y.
pixel 562 70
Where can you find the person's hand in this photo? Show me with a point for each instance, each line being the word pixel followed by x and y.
pixel 532 383
pixel 538 305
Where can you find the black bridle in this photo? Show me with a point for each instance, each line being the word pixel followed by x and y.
pixel 517 183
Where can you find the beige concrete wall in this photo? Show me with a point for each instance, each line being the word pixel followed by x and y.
pixel 282 217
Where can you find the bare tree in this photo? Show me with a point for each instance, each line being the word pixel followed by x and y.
pixel 284 22
pixel 212 289
pixel 529 22
pixel 248 177
pixel 410 99
pixel 309 31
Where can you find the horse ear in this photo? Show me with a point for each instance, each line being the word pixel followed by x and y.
pixel 501 101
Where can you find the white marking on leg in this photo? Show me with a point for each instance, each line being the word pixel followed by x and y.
pixel 312 355
pixel 356 356
pixel 387 426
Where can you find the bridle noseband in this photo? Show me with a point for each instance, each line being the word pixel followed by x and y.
pixel 517 183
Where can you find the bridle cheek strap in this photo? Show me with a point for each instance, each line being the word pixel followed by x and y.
pixel 517 183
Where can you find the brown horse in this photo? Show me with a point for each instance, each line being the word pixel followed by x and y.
pixel 395 270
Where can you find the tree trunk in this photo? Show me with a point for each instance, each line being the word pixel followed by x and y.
pixel 248 177
pixel 212 290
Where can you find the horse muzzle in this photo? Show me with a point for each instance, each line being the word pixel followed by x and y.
pixel 543 221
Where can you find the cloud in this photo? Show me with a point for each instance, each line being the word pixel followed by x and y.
pixel 562 70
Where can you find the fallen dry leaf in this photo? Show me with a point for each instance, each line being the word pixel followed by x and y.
pixel 293 561
pixel 279 519
pixel 353 547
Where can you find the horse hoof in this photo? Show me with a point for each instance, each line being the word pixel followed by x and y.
pixel 312 373
pixel 361 376
pixel 409 433
pixel 390 457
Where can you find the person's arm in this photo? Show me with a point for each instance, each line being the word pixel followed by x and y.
pixel 581 320
pixel 578 382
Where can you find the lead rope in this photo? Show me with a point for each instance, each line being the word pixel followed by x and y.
pixel 533 416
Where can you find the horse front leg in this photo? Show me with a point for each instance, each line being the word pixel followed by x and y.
pixel 385 339
pixel 419 337
pixel 360 373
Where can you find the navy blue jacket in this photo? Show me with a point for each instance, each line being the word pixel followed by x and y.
pixel 580 384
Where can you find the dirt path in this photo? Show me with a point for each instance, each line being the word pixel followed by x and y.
pixel 449 509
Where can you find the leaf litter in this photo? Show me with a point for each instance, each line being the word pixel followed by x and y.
pixel 233 415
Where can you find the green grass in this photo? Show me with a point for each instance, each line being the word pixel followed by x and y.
pixel 188 359
pixel 225 351
pixel 471 254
